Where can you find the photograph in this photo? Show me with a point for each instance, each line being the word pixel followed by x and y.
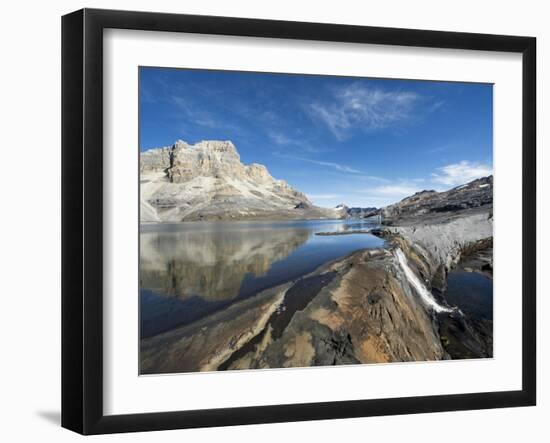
pixel 249 221
pixel 291 220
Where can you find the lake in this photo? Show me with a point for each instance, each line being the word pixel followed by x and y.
pixel 190 270
pixel 472 292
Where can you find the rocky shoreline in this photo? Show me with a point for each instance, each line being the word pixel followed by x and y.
pixel 376 305
pixel 351 231
pixel 359 309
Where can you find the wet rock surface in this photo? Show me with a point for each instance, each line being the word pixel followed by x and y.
pixel 440 244
pixel 350 232
pixel 452 232
pixel 466 337
pixel 207 343
pixel 469 286
pixel 352 311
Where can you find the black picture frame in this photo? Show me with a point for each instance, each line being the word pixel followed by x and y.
pixel 82 219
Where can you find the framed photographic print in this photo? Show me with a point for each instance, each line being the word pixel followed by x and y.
pixel 269 221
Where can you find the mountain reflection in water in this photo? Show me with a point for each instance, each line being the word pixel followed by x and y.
pixel 190 269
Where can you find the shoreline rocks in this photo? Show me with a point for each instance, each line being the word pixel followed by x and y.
pixel 430 207
pixel 439 246
pixel 351 231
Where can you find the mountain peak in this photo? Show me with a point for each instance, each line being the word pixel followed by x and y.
pixel 208 181
pixel 216 146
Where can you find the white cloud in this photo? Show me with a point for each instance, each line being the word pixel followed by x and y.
pixel 367 201
pixel 322 196
pixel 459 173
pixel 392 193
pixel 360 106
pixel 397 190
pixel 444 178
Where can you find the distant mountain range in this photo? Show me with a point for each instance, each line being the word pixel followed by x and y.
pixel 357 212
pixel 207 181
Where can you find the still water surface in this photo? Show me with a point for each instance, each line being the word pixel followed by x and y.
pixel 472 293
pixel 190 270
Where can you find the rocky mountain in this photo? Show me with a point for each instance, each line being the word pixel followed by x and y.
pixel 362 212
pixel 442 225
pixel 347 212
pixel 207 181
pixel 473 197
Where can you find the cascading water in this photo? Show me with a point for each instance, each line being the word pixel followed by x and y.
pixel 420 288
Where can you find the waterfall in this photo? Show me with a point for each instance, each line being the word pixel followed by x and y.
pixel 420 288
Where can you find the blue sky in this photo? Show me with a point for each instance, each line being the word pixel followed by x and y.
pixel 358 141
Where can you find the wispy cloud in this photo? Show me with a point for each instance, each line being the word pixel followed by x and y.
pixel 147 96
pixel 283 140
pixel 360 106
pixel 337 166
pixel 403 190
pixel 388 194
pixel 201 117
pixel 435 106
pixel 460 173
pixel 375 178
pixel 369 200
pixel 323 196
pixel 279 138
pixel 442 179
